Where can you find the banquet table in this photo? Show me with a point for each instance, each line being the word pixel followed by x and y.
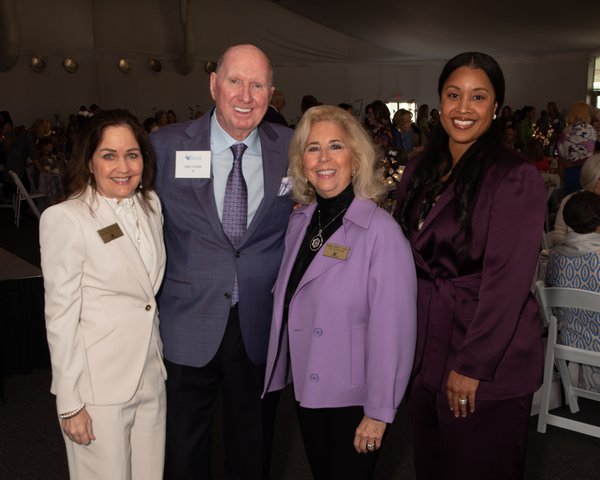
pixel 23 345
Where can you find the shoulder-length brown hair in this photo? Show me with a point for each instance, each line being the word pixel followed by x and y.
pixel 78 174
pixel 367 182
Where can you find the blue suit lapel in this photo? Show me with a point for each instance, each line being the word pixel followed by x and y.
pixel 271 152
pixel 199 133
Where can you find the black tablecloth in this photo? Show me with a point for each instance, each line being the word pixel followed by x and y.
pixel 23 345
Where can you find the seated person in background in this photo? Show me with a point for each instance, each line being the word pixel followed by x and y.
pixel 596 125
pixel 590 181
pixel 161 118
pixel 556 122
pixel 506 118
pixel 171 117
pixel 422 123
pixel 347 107
pixel 22 154
pixel 307 102
pixel 575 263
pixel 434 118
pixel 273 113
pixel 150 125
pixel 45 159
pixel 534 151
pixel 510 137
pixel 575 144
pixel 409 140
pixel 525 126
pixel 379 125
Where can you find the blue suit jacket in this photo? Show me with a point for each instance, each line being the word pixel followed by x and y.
pixel 195 298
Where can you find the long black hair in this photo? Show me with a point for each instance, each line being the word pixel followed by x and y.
pixel 436 162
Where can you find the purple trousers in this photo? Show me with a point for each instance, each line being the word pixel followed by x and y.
pixel 487 444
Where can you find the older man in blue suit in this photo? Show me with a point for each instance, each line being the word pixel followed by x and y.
pixel 216 301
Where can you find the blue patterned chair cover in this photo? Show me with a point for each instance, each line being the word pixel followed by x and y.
pixel 578 328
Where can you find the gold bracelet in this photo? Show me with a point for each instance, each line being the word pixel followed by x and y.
pixel 65 416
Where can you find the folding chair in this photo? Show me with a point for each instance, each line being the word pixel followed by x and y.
pixel 551 298
pixel 4 202
pixel 23 194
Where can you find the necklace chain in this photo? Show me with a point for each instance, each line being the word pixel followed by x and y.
pixel 138 235
pixel 316 242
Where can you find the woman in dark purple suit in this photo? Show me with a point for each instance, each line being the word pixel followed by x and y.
pixel 473 212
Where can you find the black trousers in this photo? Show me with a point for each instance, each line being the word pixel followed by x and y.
pixel 248 421
pixel 328 436
pixel 487 444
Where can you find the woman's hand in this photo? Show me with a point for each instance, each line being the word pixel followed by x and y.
pixel 369 432
pixel 461 388
pixel 79 428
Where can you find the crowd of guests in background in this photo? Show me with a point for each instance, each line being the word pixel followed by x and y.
pixel 557 143
pixel 47 144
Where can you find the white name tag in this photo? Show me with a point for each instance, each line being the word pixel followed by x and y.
pixel 192 164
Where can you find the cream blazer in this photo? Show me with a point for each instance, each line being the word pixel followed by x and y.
pixel 101 314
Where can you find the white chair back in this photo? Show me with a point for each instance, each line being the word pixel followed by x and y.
pixel 23 194
pixel 550 298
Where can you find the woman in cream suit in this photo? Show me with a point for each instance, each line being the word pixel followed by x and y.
pixel 103 261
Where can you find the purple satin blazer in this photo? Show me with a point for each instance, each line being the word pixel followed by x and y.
pixel 351 323
pixel 476 313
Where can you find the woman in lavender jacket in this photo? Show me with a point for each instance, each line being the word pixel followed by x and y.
pixel 344 320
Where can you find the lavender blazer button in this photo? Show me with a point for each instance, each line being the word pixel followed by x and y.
pixel 314 377
pixel 318 332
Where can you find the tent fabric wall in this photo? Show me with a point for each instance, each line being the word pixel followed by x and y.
pixel 308 58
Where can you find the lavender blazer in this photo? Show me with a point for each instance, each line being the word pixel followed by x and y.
pixel 351 323
pixel 476 314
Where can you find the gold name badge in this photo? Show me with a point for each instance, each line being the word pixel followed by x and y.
pixel 108 234
pixel 336 251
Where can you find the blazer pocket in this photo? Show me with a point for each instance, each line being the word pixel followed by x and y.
pixel 176 288
pixel 358 357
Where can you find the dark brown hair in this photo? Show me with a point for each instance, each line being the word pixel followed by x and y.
pixel 582 212
pixel 78 175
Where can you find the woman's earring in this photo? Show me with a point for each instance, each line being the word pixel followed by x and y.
pixel 353 172
pixel 494 117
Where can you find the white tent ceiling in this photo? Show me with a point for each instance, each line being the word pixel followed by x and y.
pixel 416 30
pixel 337 50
